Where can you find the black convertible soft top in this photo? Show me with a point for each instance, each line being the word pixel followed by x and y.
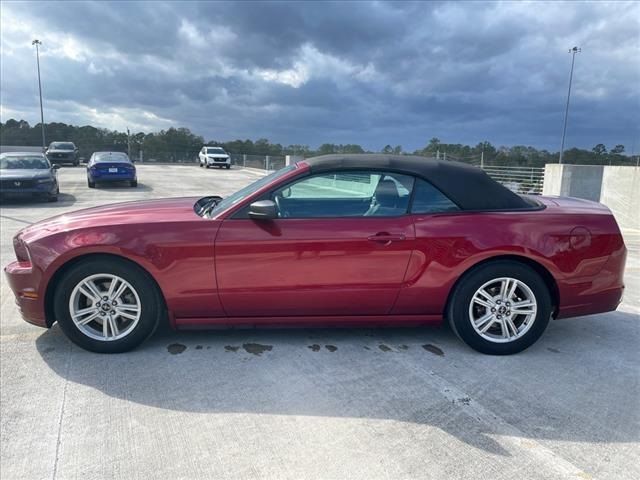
pixel 468 186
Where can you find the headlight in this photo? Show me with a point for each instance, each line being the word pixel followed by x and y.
pixel 20 247
pixel 43 180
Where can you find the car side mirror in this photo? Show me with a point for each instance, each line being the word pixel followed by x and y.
pixel 263 210
pixel 55 166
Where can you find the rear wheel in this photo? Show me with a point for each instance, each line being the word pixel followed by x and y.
pixel 52 198
pixel 228 167
pixel 500 308
pixel 107 305
pixel 91 184
pixel 133 183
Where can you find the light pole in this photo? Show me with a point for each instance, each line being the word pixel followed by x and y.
pixel 37 43
pixel 573 52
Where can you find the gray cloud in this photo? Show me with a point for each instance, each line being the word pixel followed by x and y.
pixel 301 72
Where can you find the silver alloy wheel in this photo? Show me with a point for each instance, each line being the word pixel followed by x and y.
pixel 503 310
pixel 105 307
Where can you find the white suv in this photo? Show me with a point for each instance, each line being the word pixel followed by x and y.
pixel 214 157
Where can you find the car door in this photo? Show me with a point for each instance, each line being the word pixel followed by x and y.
pixel 340 246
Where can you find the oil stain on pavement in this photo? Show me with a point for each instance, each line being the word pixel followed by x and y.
pixel 433 349
pixel 176 348
pixel 257 348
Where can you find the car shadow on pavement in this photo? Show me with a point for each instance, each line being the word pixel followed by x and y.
pixel 64 200
pixel 115 186
pixel 570 386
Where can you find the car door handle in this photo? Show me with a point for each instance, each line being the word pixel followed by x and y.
pixel 386 238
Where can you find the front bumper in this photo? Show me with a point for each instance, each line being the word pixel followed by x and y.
pixel 41 189
pixel 218 161
pixel 24 280
pixel 62 158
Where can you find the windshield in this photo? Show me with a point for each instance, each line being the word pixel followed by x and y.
pixel 110 157
pixel 249 190
pixel 62 146
pixel 215 150
pixel 16 163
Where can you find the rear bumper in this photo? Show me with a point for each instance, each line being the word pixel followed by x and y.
pixel 113 177
pixel 597 294
pixel 24 282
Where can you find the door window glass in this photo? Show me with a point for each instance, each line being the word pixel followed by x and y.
pixel 346 194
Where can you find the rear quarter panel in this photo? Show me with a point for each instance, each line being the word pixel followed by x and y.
pixel 582 249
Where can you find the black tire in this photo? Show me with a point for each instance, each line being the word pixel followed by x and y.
pixel 206 166
pixel 133 183
pixel 201 165
pixel 151 303
pixel 460 302
pixel 91 184
pixel 228 167
pixel 76 163
pixel 52 198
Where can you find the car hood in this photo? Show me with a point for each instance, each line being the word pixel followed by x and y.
pixel 139 212
pixel 24 173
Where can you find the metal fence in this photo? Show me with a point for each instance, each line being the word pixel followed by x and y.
pixel 518 179
pixel 263 162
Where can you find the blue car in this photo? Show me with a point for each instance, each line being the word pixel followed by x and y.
pixel 111 167
pixel 24 174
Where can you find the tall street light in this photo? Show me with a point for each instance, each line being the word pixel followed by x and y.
pixel 573 52
pixel 37 43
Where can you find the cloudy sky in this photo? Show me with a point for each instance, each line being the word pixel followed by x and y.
pixel 372 73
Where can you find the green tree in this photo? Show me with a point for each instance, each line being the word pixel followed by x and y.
pixel 618 149
pixel 599 149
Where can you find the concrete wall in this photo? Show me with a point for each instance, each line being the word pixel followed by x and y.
pixel 616 187
pixel 11 148
pixel 621 193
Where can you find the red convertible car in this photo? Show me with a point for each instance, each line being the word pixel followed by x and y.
pixel 333 240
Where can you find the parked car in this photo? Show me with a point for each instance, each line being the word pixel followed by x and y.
pixel 338 240
pixel 63 152
pixel 24 174
pixel 214 157
pixel 111 167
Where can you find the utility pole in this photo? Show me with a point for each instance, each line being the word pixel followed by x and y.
pixel 573 52
pixel 128 143
pixel 37 43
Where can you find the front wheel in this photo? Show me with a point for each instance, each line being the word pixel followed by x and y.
pixel 107 305
pixel 133 183
pixel 500 308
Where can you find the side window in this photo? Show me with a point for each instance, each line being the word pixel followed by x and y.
pixel 428 199
pixel 346 194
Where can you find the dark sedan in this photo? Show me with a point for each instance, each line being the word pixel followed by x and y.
pixel 24 174
pixel 111 167
pixel 63 152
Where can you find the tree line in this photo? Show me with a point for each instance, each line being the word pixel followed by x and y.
pixel 180 144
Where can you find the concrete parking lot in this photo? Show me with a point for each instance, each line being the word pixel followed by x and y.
pixel 312 404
